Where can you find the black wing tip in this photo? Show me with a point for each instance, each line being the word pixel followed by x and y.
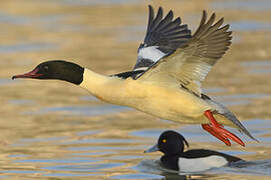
pixel 214 35
pixel 152 9
pixel 170 14
pixel 204 16
pixel 226 27
pixel 211 26
pixel 177 20
pixel 204 13
pixel 221 20
pixel 160 11
pixel 161 28
pixel 166 32
pixel 211 19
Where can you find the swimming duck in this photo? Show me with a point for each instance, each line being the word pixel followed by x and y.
pixel 166 79
pixel 172 145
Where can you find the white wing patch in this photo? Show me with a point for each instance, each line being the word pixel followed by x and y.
pixel 151 53
pixel 201 164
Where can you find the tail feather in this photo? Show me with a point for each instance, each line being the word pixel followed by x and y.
pixel 219 109
pixel 230 116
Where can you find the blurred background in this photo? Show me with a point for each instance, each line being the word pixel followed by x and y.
pixel 55 130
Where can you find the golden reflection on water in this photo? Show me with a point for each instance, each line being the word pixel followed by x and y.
pixel 46 129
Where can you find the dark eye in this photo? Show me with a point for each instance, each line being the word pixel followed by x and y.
pixel 46 68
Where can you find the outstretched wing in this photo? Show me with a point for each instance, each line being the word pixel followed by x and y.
pixel 164 35
pixel 190 64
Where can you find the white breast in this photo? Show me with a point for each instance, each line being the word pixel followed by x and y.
pixel 201 164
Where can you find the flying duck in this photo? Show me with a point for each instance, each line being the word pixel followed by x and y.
pixel 166 79
pixel 172 144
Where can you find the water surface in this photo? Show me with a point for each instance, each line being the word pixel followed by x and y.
pixel 55 130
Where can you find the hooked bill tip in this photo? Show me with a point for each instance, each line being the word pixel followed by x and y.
pixel 32 74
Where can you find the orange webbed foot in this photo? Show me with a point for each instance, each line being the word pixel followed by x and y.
pixel 218 131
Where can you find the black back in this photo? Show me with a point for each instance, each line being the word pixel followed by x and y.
pixel 125 75
pixel 201 153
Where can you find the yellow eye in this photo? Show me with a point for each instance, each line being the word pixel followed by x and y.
pixel 164 140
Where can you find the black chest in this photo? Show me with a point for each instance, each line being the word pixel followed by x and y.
pixel 170 162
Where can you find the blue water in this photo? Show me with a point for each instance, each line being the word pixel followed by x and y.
pixel 249 25
pixel 4 82
pixel 83 110
pixel 259 67
pixel 97 157
pixel 25 47
pixel 98 2
pixel 244 5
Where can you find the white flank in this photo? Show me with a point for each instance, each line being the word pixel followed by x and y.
pixel 201 164
pixel 151 53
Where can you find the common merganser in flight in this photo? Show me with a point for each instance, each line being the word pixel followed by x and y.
pixel 166 79
pixel 175 158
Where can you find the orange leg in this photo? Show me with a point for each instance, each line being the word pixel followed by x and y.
pixel 208 128
pixel 218 131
